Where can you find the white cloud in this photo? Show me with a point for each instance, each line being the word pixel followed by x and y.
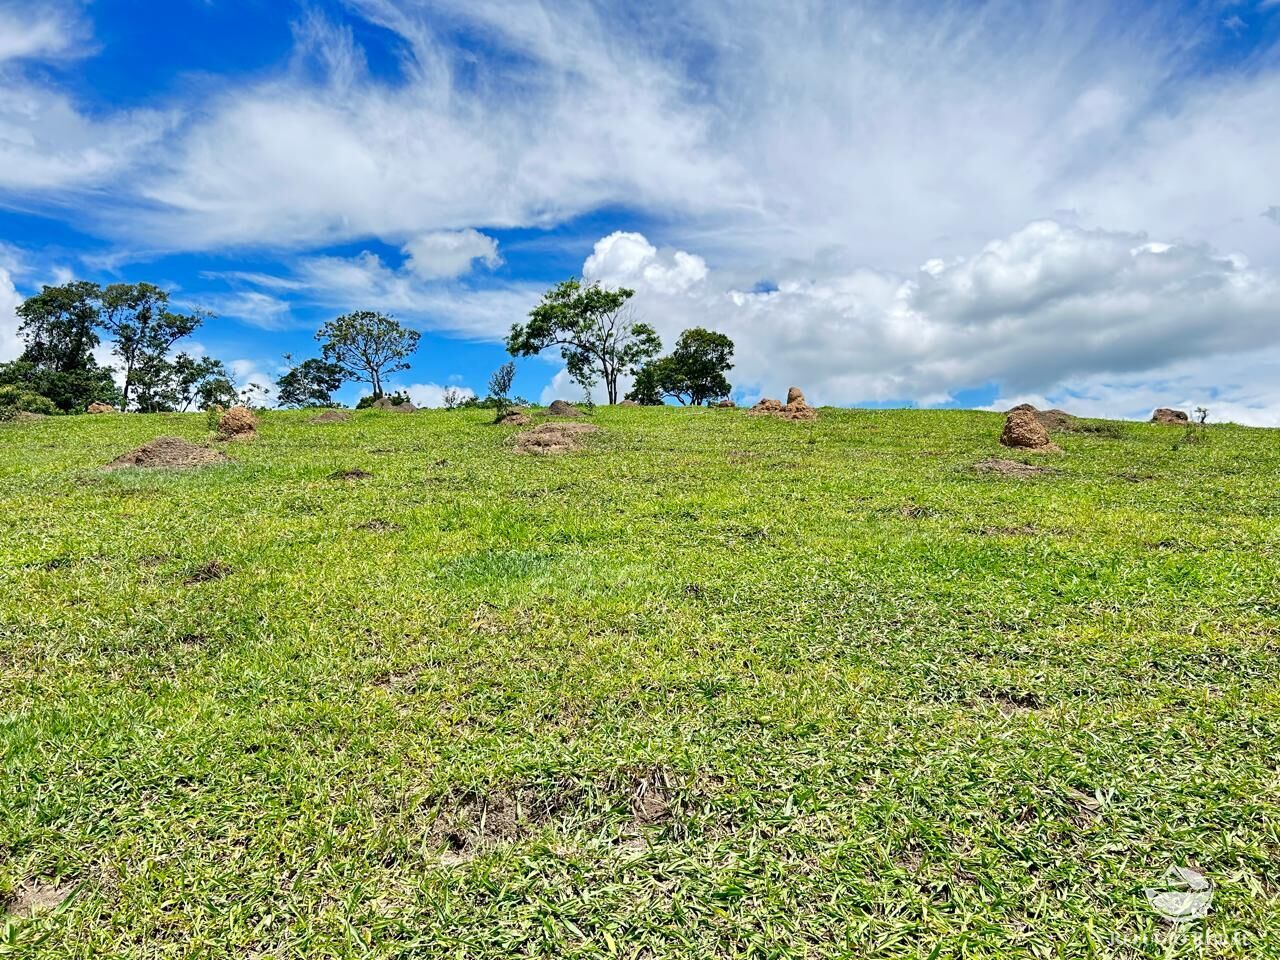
pixel 563 387
pixel 431 394
pixel 625 259
pixel 449 253
pixel 27 32
pixel 1047 306
pixel 11 345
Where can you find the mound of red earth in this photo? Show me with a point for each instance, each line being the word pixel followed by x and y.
pixel 168 453
pixel 1024 431
pixel 562 408
pixel 332 416
pixel 238 423
pixel 794 409
pixel 100 408
pixel 1054 420
pixel 553 437
pixel 384 403
pixel 1170 416
pixel 515 418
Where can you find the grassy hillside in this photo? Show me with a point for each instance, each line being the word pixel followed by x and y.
pixel 717 686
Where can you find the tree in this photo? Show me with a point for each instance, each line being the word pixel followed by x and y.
pixel 310 383
pixel 58 331
pixel 500 389
pixel 596 331
pixel 368 346
pixel 164 385
pixel 693 373
pixel 138 318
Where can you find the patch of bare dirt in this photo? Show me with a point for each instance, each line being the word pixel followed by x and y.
pixel 514 419
pixel 171 453
pixel 35 897
pixel 651 796
pixel 356 474
pixel 378 525
pixel 1024 431
pixel 332 416
pixel 1010 702
pixel 1026 530
pixel 552 438
pixel 562 408
pixel 1009 468
pixel 208 572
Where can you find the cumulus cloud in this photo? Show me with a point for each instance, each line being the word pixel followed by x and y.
pixel 1046 306
pixel 11 344
pixel 448 253
pixel 27 32
pixel 626 259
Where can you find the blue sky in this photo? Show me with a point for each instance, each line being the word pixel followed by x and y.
pixel 937 203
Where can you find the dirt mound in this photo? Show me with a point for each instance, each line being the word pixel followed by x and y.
pixel 795 410
pixel 562 408
pixel 1023 430
pixel 100 408
pixel 514 419
pixel 1009 468
pixel 553 437
pixel 795 395
pixel 384 403
pixel 727 404
pixel 237 423
pixel 628 403
pixel 332 416
pixel 1057 421
pixel 356 474
pixel 1171 416
pixel 168 453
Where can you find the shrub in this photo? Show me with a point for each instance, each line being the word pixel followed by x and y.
pixel 15 400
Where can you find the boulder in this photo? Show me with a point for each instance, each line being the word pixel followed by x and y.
pixel 384 403
pixel 728 404
pixel 1168 415
pixel 100 408
pixel 1024 431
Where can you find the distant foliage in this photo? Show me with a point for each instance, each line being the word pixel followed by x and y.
pixel 693 373
pixel 599 337
pixel 143 331
pixel 395 399
pixel 368 346
pixel 500 389
pixel 310 383
pixel 15 400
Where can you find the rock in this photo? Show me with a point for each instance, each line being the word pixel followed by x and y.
pixel 794 395
pixel 1168 415
pixel 628 403
pixel 1024 431
pixel 728 404
pixel 237 422
pixel 562 408
pixel 100 408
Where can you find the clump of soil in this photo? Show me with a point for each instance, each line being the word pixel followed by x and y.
pixel 384 403
pixel 793 409
pixel 1009 468
pixel 100 408
pixel 553 437
pixel 238 423
pixel 168 453
pixel 562 408
pixel 356 474
pixel 332 416
pixel 1056 421
pixel 514 419
pixel 208 572
pixel 1023 431
pixel 1168 415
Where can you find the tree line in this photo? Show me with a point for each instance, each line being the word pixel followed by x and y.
pixel 63 328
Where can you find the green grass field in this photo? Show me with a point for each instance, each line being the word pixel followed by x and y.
pixel 716 686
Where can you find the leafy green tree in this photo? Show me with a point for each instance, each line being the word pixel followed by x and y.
pixel 310 383
pixel 368 346
pixel 500 389
pixel 59 335
pixel 693 373
pixel 595 329
pixel 166 386
pixel 143 330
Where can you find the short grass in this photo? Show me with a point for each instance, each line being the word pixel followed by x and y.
pixel 716 686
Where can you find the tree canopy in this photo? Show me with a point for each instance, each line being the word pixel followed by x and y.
pixel 368 346
pixel 693 373
pixel 310 383
pixel 598 336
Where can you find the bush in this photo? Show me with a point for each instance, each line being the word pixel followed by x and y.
pixel 397 399
pixel 15 400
